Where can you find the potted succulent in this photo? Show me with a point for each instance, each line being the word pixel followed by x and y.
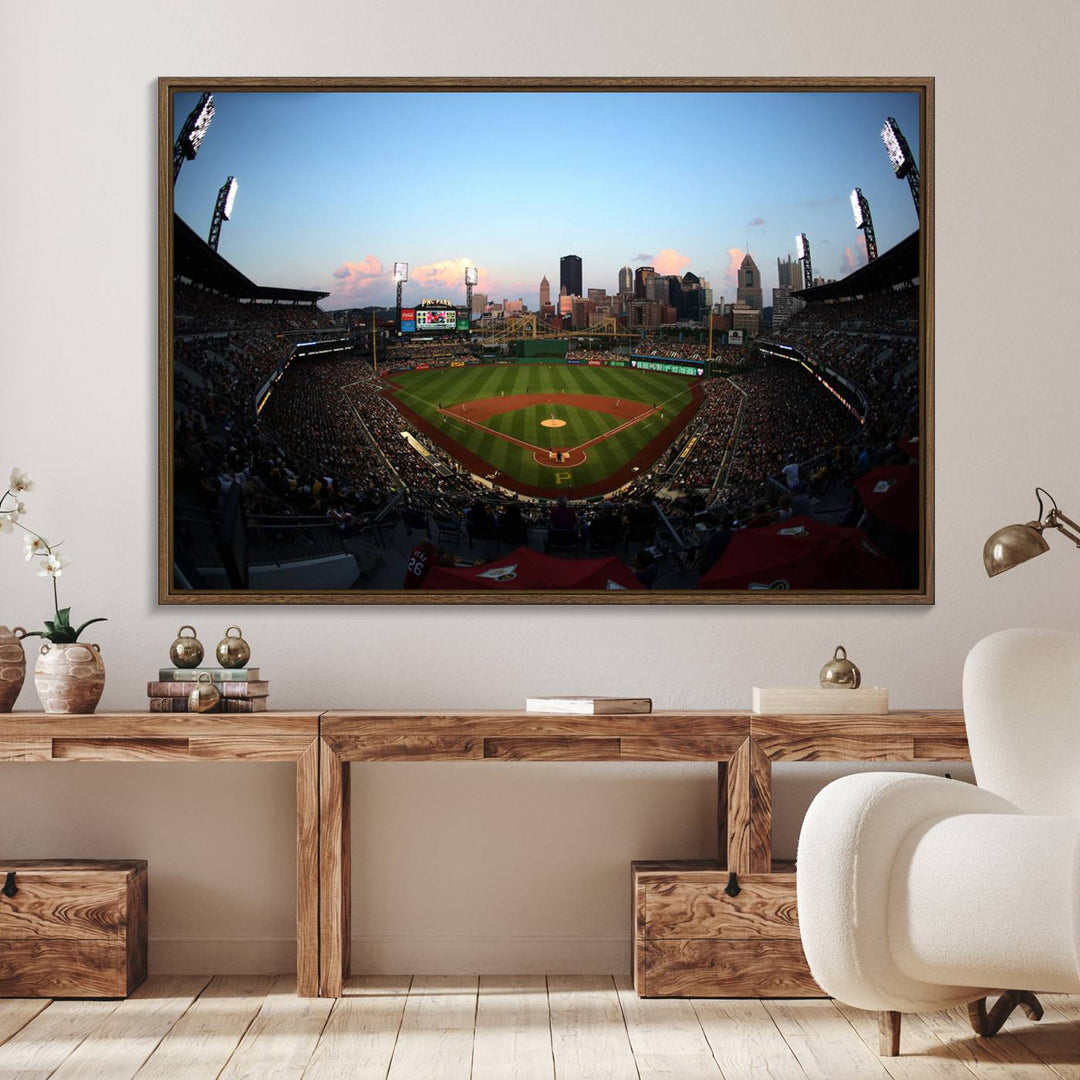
pixel 69 674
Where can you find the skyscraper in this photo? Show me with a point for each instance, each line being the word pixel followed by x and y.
pixel 626 280
pixel 641 276
pixel 749 291
pixel 570 274
pixel 545 291
pixel 789 274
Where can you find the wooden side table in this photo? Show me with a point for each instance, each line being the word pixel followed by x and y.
pixel 259 737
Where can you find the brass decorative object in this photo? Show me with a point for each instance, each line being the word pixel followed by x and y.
pixel 1014 544
pixel 12 666
pixel 840 673
pixel 186 652
pixel 233 652
pixel 204 695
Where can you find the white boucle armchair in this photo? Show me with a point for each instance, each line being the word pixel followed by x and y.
pixel 918 893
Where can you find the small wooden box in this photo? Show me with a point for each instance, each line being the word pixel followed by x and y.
pixel 72 928
pixel 691 939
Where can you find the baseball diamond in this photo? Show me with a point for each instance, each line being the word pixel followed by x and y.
pixel 545 430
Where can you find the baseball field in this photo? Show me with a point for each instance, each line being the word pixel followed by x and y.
pixel 548 429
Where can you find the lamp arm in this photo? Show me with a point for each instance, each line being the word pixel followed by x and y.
pixel 1056 518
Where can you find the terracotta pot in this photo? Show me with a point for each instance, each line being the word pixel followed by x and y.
pixel 12 666
pixel 69 678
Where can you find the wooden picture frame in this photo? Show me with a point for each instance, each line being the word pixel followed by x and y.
pixel 210 541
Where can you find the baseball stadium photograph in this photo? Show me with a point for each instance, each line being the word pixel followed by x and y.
pixel 589 341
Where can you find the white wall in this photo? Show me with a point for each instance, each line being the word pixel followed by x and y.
pixel 495 867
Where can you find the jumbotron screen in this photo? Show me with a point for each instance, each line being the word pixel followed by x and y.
pixel 436 319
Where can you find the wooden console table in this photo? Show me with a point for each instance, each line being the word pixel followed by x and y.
pixel 322 745
pixel 260 737
pixel 742 744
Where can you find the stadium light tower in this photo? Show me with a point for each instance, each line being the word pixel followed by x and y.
pixel 861 209
pixel 223 209
pixel 802 253
pixel 192 133
pixel 401 275
pixel 471 278
pixel 901 157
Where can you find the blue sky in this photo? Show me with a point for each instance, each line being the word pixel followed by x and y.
pixel 333 188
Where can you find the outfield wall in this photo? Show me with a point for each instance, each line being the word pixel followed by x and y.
pixel 535 350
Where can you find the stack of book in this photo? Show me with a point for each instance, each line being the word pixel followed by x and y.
pixel 241 689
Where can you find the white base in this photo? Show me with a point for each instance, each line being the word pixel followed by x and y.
pixel 436 954
pixel 817 701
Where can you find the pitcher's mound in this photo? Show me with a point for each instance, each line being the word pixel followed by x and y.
pixel 553 423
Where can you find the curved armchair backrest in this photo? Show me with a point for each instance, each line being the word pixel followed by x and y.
pixel 1022 707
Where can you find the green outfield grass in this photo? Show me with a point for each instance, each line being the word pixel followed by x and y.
pixel 424 392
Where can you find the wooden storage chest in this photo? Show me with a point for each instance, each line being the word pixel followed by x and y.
pixel 692 939
pixel 71 928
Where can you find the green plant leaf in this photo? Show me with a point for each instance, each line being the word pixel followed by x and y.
pixel 86 624
pixel 63 616
pixel 50 625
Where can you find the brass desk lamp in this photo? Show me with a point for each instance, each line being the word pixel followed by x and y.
pixel 1014 544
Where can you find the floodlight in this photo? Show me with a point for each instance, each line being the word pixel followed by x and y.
pixel 800 246
pixel 192 133
pixel 471 275
pixel 203 114
pixel 226 196
pixel 897 147
pixel 401 272
pixel 230 198
pixel 856 208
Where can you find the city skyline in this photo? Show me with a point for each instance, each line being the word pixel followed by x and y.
pixel 333 188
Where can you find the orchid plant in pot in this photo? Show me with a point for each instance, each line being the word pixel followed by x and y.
pixel 69 675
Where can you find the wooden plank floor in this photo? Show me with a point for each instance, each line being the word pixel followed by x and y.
pixel 524 1027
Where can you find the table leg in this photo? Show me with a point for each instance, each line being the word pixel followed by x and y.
pixel 722 813
pixel 307 872
pixel 749 810
pixel 334 872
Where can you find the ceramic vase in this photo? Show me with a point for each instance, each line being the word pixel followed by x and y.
pixel 12 666
pixel 69 678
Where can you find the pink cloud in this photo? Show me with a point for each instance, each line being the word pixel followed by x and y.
pixel 448 275
pixel 731 273
pixel 670 261
pixel 355 281
pixel 851 260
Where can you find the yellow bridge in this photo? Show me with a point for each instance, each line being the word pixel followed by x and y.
pixel 519 327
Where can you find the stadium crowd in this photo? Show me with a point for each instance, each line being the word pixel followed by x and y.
pixel 767 441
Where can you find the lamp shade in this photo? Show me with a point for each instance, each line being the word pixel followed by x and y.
pixel 1012 545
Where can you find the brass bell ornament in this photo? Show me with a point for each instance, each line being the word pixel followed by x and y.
pixel 186 651
pixel 840 673
pixel 204 695
pixel 233 652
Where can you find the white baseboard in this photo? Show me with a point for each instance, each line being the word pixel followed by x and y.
pixel 430 954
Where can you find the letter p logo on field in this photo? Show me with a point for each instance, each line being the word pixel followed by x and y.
pixel 563 477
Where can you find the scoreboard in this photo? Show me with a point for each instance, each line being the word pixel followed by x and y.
pixel 436 319
pixel 671 365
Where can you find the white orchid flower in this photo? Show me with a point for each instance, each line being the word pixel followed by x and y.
pixel 7 520
pixel 54 565
pixel 34 545
pixel 20 481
